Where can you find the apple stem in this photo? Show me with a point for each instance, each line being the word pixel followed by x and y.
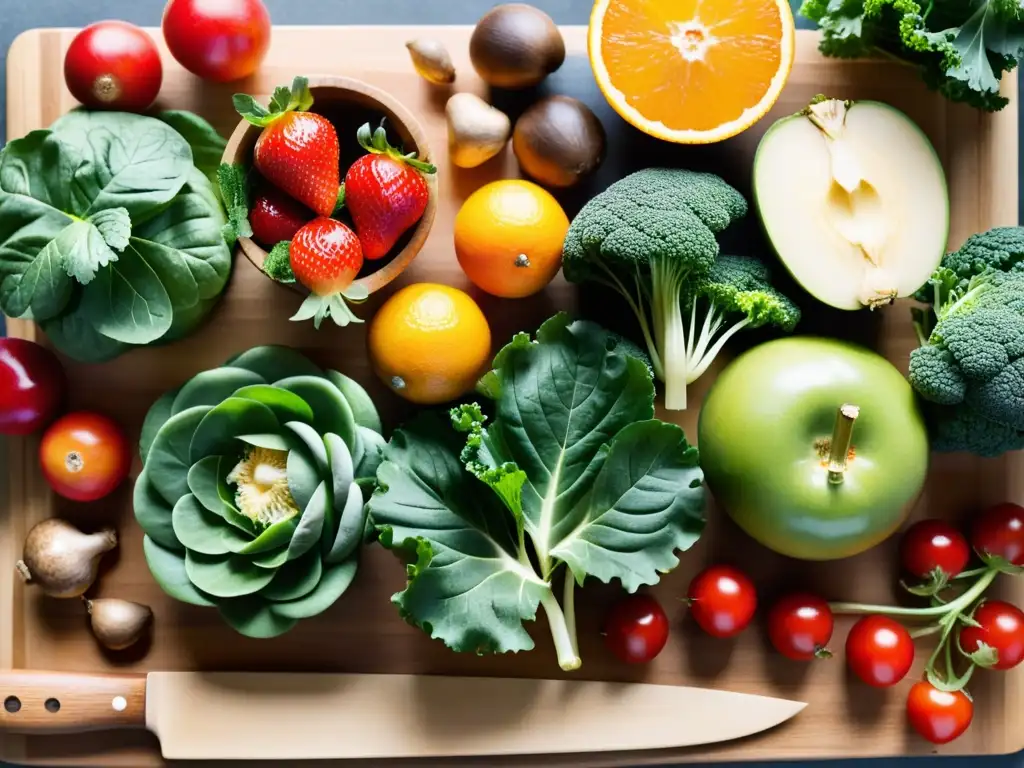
pixel 842 436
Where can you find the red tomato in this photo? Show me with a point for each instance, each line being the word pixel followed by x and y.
pixel 999 533
pixel 32 386
pixel 880 651
pixel 219 40
pixel 113 64
pixel 84 456
pixel 1002 628
pixel 636 629
pixel 722 600
pixel 937 715
pixel 934 545
pixel 800 627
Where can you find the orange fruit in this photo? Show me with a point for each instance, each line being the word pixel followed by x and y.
pixel 509 236
pixel 430 343
pixel 691 71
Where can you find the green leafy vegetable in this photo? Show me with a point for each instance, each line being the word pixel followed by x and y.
pixel 234 191
pixel 573 477
pixel 278 264
pixel 961 48
pixel 651 237
pixel 110 236
pixel 207 145
pixel 970 365
pixel 251 490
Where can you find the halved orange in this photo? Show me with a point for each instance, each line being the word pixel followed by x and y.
pixel 691 71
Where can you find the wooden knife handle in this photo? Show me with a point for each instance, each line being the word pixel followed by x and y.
pixel 67 702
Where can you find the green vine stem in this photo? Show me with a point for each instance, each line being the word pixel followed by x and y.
pixel 956 606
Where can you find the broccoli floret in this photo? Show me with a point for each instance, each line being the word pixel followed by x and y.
pixel 972 361
pixel 651 237
pixel 1000 249
pixel 737 294
pixel 962 429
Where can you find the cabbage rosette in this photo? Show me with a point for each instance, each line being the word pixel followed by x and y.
pixel 251 493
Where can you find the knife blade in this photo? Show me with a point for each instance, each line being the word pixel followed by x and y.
pixel 288 716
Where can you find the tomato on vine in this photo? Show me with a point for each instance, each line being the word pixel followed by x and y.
pixel 636 629
pixel 800 626
pixel 879 651
pixel 995 638
pixel 939 716
pixel 998 535
pixel 935 551
pixel 722 600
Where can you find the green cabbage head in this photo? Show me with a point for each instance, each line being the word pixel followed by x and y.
pixel 251 493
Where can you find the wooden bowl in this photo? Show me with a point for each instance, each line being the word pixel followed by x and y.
pixel 349 103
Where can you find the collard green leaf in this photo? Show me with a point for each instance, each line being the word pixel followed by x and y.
pixel 131 161
pixel 207 145
pixel 73 333
pixel 311 523
pixel 38 169
pixel 88 245
pixel 273 362
pixel 213 386
pixel 127 301
pixel 646 501
pixel 295 579
pixel 254 617
pixel 467 585
pixel 334 582
pixel 218 432
pixel 303 477
pixel 225 575
pixel 153 513
pixel 200 530
pixel 371 454
pixel 168 569
pixel 363 410
pixel 331 411
pixel 351 526
pixel 169 460
pixel 285 405
pixel 33 280
pixel 156 417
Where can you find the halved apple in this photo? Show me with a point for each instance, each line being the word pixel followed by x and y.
pixel 853 198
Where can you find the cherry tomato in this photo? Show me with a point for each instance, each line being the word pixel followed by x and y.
pixel 722 600
pixel 939 716
pixel 84 456
pixel 800 627
pixel 999 533
pixel 32 386
pixel 934 545
pixel 1002 628
pixel 880 651
pixel 113 64
pixel 636 629
pixel 219 40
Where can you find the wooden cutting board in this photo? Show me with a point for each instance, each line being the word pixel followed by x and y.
pixel 363 633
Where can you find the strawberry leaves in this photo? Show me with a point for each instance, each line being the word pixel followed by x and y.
pixel 376 142
pixel 277 266
pixel 298 98
pixel 234 193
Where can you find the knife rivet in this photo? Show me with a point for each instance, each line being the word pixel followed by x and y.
pixel 52 706
pixel 119 703
pixel 12 704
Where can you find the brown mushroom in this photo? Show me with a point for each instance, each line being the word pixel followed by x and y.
pixel 516 46
pixel 559 141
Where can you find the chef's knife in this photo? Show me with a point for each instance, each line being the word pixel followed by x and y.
pixel 281 716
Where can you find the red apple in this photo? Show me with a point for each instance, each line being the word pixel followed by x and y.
pixel 32 386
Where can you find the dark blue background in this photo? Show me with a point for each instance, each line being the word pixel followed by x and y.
pixel 19 15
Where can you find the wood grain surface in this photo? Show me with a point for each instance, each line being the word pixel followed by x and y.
pixel 362 632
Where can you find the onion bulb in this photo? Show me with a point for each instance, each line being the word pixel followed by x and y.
pixel 61 559
pixel 118 624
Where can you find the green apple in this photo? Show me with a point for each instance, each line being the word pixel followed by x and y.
pixel 815 447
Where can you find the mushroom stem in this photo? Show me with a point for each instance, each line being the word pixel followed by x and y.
pixel 842 436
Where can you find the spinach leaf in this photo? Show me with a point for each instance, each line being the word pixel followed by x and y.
pixel 110 236
pixel 207 145
pixel 574 471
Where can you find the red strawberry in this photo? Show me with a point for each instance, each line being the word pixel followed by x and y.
pixel 297 150
pixel 275 217
pixel 385 191
pixel 326 256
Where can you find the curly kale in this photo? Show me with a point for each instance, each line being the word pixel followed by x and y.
pixel 652 238
pixel 960 48
pixel 970 365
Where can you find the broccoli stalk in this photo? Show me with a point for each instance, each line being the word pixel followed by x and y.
pixel 651 238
